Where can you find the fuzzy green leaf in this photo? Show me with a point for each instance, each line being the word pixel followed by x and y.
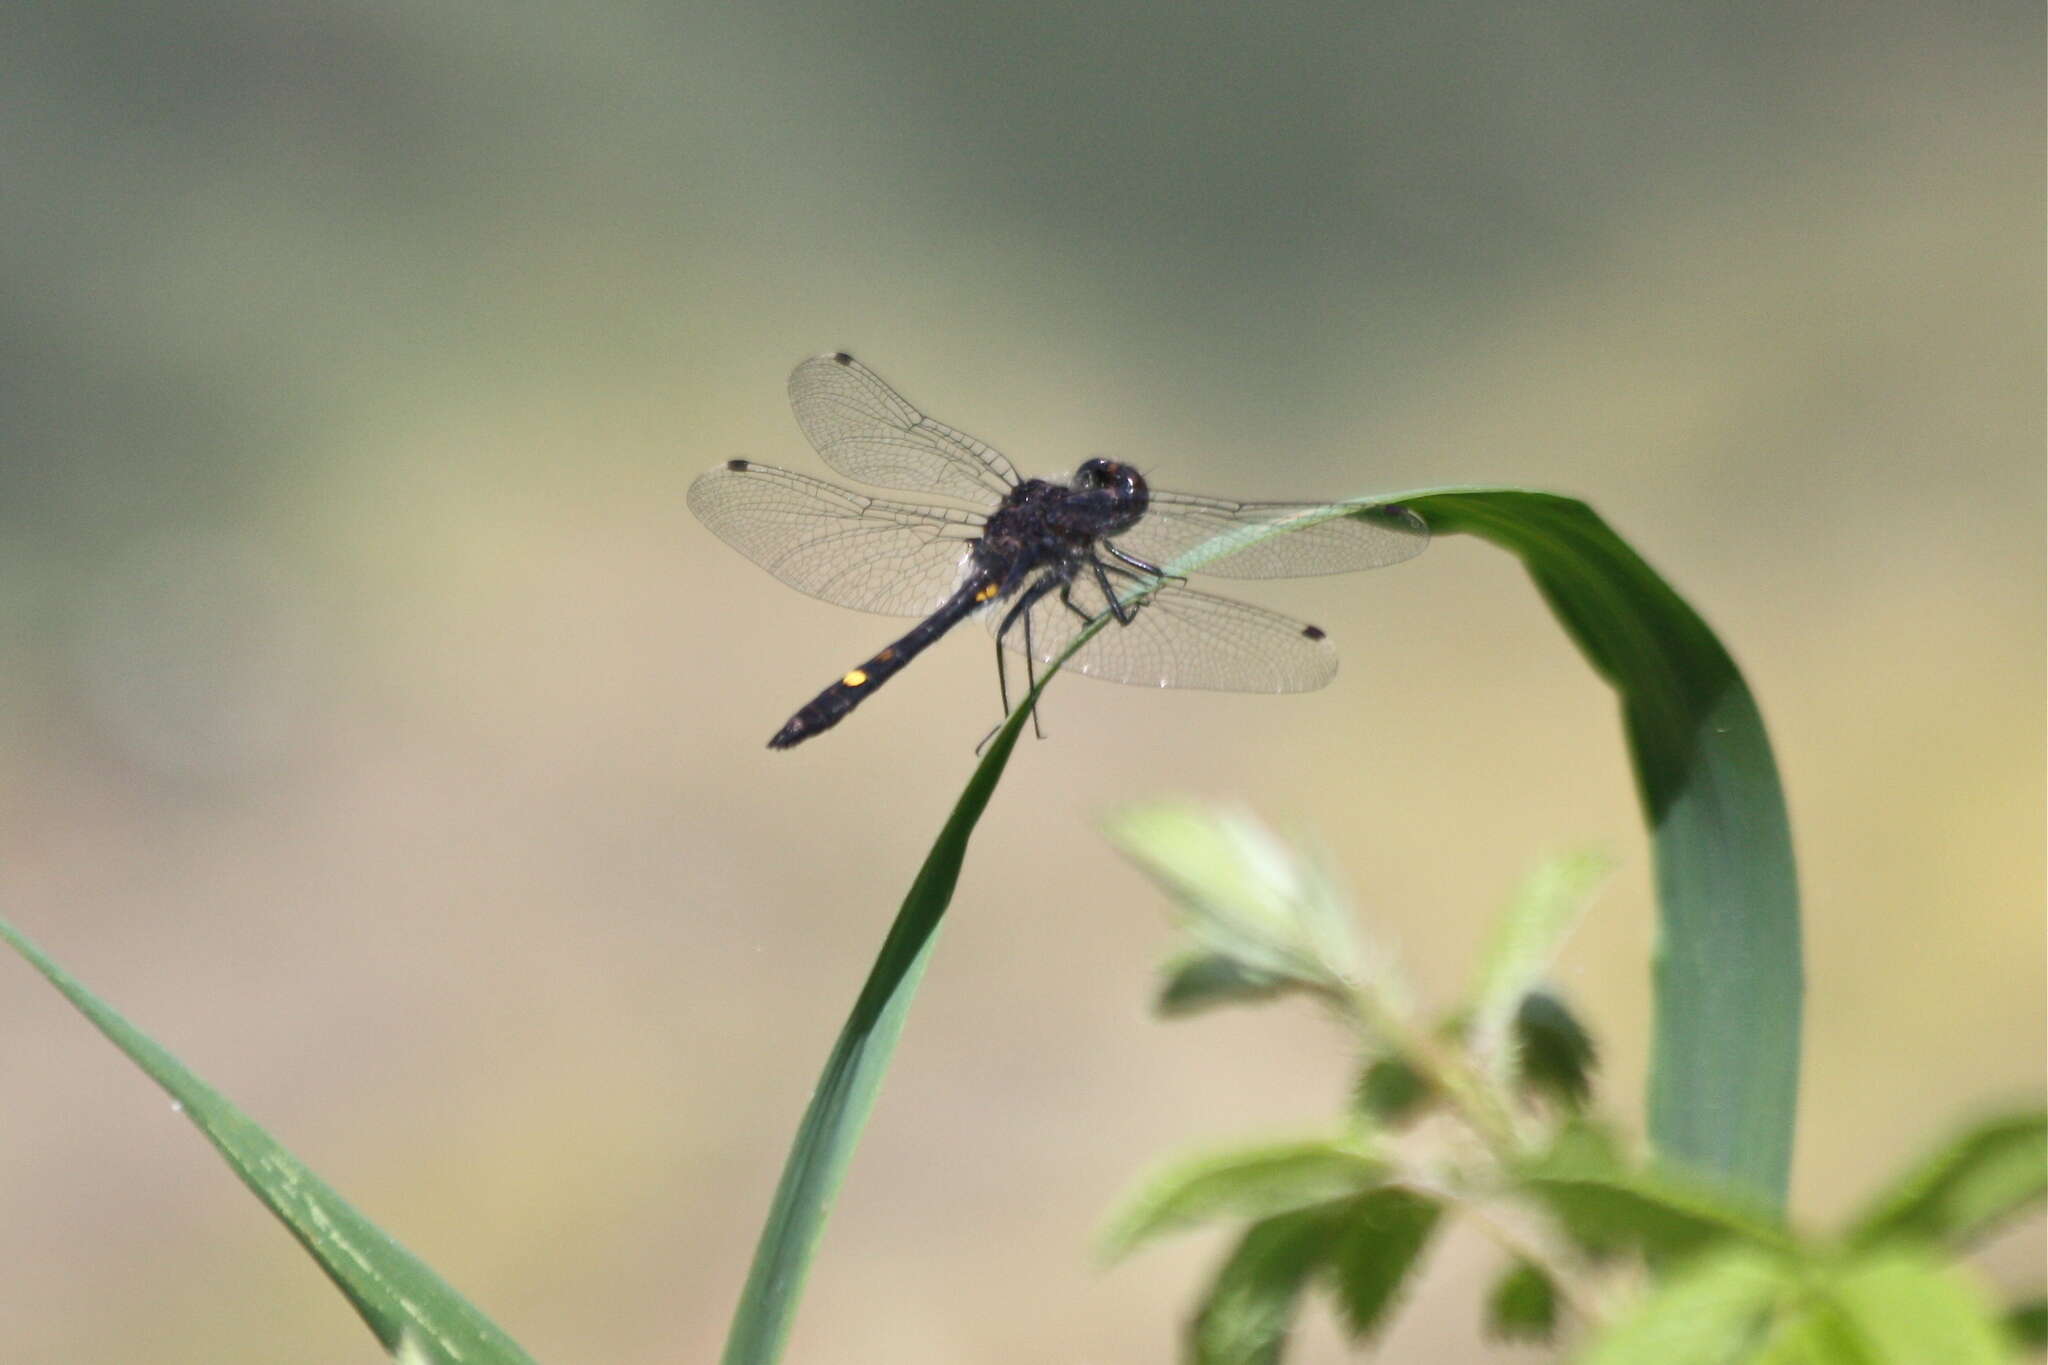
pixel 1243 894
pixel 1378 1243
pixel 1526 942
pixel 1522 1306
pixel 1667 1215
pixel 1964 1188
pixel 1554 1054
pixel 1197 980
pixel 1250 1305
pixel 409 1308
pixel 1391 1091
pixel 1247 1182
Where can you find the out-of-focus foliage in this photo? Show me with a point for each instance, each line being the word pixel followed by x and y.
pixel 1508 1150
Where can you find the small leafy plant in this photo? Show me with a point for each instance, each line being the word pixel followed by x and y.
pixel 1480 1114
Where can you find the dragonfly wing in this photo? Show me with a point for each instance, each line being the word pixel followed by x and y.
pixel 1180 638
pixel 895 558
pixel 868 431
pixel 1365 538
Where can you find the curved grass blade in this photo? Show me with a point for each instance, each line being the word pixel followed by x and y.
pixel 1724 1071
pixel 408 1307
pixel 1728 973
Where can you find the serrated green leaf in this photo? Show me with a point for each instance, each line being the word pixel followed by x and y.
pixel 1522 1306
pixel 1964 1188
pixel 1667 1215
pixel 1554 1055
pixel 1716 1311
pixel 1245 1182
pixel 1245 1316
pixel 1198 980
pixel 1724 1077
pixel 1893 1308
pixel 1243 894
pixel 1390 1091
pixel 406 1305
pixel 1526 942
pixel 1378 1243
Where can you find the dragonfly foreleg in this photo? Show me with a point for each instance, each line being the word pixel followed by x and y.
pixel 1116 604
pixel 1144 565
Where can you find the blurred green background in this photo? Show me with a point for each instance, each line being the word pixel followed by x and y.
pixel 381 732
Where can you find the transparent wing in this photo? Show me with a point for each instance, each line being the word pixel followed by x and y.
pixel 1180 638
pixel 895 558
pixel 866 431
pixel 1366 539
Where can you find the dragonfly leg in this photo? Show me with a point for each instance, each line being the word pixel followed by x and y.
pixel 1031 675
pixel 1067 596
pixel 1144 565
pixel 1020 610
pixel 1123 610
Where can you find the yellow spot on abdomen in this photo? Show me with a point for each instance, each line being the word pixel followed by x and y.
pixel 987 592
pixel 855 678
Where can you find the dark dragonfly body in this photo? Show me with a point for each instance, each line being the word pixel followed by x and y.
pixel 1040 559
pixel 1040 526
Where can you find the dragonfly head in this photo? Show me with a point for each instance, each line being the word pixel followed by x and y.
pixel 1124 487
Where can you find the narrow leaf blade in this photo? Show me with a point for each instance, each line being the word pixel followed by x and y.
pixel 406 1305
pixel 839 1108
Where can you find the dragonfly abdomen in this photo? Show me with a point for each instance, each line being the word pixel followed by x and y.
pixel 832 705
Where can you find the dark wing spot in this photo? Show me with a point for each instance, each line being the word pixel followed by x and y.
pixel 842 357
pixel 737 466
pixel 1313 632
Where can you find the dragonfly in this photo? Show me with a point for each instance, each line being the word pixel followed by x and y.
pixel 1038 560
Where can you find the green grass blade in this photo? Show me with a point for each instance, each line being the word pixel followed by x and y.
pixel 1724 1071
pixel 846 1092
pixel 408 1307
